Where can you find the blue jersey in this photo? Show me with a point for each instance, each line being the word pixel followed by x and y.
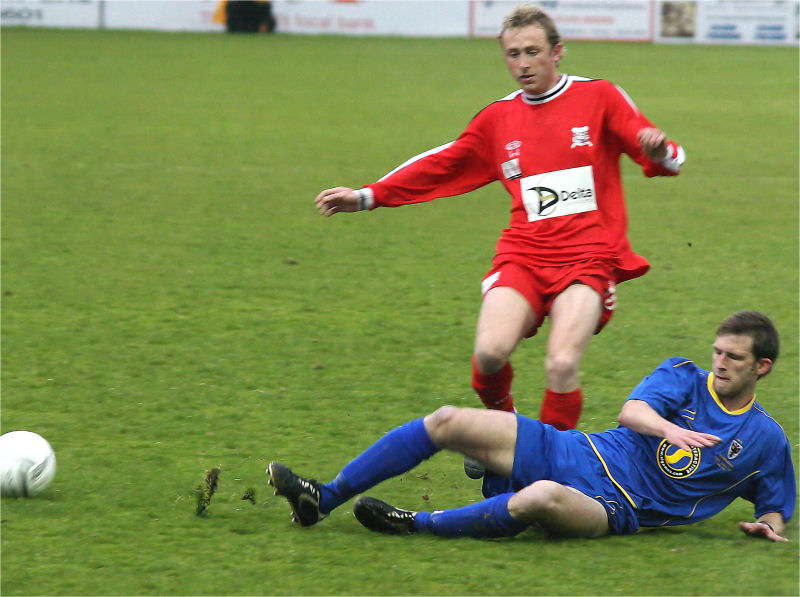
pixel 670 486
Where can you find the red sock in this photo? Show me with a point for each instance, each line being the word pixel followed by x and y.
pixel 494 389
pixel 561 410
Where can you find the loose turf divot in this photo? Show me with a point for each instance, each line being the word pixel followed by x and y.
pixel 205 490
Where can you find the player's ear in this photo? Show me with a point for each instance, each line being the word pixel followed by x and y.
pixel 763 366
pixel 557 51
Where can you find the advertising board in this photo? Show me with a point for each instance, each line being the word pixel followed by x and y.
pixel 622 20
pixel 183 15
pixel 756 22
pixel 81 14
pixel 439 18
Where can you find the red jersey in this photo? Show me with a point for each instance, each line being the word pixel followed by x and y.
pixel 558 155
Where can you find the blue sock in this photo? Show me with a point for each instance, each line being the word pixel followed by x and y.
pixel 398 451
pixel 489 518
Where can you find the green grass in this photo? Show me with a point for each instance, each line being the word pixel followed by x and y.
pixel 172 302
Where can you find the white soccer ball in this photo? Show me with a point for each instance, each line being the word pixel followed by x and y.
pixel 27 464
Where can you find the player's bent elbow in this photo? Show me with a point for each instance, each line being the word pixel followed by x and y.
pixel 624 416
pixel 632 413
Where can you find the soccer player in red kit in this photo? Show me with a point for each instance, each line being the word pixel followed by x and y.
pixel 555 144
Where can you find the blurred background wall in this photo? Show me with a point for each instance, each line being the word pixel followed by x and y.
pixel 769 22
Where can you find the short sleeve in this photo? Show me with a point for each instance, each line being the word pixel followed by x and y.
pixel 669 386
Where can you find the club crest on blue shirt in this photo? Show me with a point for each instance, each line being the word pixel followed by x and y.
pixel 734 449
pixel 676 462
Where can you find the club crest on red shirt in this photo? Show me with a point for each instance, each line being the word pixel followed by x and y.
pixel 580 137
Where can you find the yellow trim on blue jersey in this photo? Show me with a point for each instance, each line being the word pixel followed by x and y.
pixel 614 481
pixel 697 503
pixel 612 504
pixel 740 411
pixel 689 420
pixel 682 363
pixel 769 416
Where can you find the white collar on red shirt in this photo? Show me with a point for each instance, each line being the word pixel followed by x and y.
pixel 560 87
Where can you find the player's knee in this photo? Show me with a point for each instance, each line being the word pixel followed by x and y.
pixel 537 501
pixel 561 366
pixel 441 425
pixel 490 357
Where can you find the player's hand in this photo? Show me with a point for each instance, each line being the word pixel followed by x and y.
pixel 754 529
pixel 686 439
pixel 332 201
pixel 653 143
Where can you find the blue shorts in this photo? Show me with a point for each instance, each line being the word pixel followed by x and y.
pixel 566 457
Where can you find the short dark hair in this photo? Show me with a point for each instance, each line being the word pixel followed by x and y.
pixel 530 14
pixel 758 326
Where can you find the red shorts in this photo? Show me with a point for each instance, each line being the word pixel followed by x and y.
pixel 542 284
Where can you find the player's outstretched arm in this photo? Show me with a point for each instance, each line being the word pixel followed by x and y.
pixel 337 199
pixel 770 526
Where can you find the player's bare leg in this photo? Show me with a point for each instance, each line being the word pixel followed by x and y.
pixel 574 316
pixel 559 510
pixel 504 319
pixel 489 437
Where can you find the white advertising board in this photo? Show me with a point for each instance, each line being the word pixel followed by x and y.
pixel 622 20
pixel 761 22
pixel 180 15
pixel 757 22
pixel 82 14
pixel 439 18
pixel 166 15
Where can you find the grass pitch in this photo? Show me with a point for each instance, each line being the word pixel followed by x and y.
pixel 172 303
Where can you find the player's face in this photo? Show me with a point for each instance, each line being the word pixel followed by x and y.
pixel 532 62
pixel 735 367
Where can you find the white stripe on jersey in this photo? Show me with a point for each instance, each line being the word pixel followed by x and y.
pixel 418 157
pixel 510 96
pixel 627 98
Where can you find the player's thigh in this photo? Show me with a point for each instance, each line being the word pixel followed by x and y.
pixel 505 317
pixel 489 436
pixel 560 510
pixel 574 316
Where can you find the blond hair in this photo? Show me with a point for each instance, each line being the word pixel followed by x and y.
pixel 525 15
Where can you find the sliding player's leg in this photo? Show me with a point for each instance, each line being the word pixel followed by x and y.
pixel 486 435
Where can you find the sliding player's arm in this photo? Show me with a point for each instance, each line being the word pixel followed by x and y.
pixel 769 526
pixel 642 418
pixel 773 492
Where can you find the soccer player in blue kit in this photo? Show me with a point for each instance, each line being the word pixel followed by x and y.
pixel 690 441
